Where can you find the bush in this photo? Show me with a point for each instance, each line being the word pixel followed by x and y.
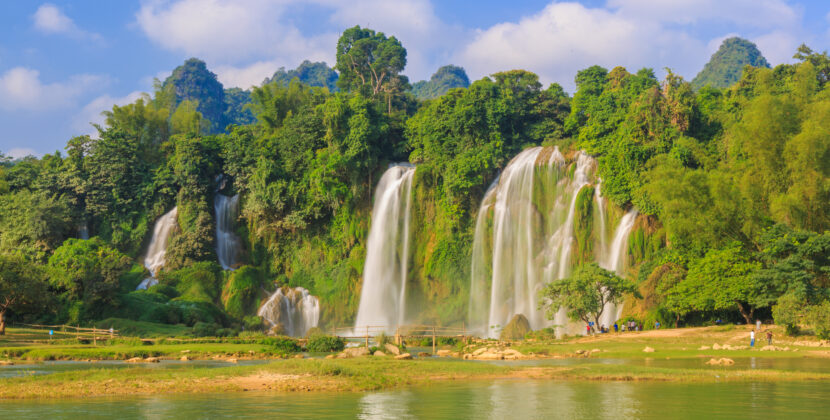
pixel 282 344
pixel 252 323
pixel 314 331
pixel 242 291
pixel 819 318
pixel 325 343
pixel 545 334
pixel 165 290
pixel 787 312
pixel 516 329
pixel 205 329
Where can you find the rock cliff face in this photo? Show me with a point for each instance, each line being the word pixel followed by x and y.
pixel 516 328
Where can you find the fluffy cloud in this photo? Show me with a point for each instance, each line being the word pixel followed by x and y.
pixel 92 112
pixel 50 19
pixel 566 37
pixel 22 89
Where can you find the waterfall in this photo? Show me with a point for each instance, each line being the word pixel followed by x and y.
pixel 615 260
pixel 296 310
pixel 524 236
pixel 227 243
pixel 154 259
pixel 383 293
pixel 599 200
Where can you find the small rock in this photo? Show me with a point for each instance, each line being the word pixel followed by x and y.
pixel 185 351
pixel 184 359
pixel 716 346
pixel 424 354
pixel 392 349
pixel 299 356
pixel 344 356
pixel 379 353
pixel 467 356
pixel 231 360
pixel 405 356
pixel 6 363
pixel 704 348
pixel 648 350
pixel 479 351
pixel 721 362
pixel 134 360
pixel 580 351
pixel 596 351
pixel 151 360
pixel 330 356
pixel 443 353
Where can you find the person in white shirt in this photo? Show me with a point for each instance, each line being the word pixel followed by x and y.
pixel 752 338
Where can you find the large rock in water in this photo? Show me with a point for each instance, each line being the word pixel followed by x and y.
pixel 516 328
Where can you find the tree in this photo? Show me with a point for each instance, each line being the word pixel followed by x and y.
pixel 368 61
pixel 585 293
pixel 21 286
pixel 446 78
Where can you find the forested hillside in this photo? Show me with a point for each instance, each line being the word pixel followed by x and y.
pixel 727 64
pixel 732 184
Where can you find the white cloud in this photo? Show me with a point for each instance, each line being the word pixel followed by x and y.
pixel 20 152
pixel 50 19
pixel 753 13
pixel 778 46
pixel 566 37
pixel 22 89
pixel 91 113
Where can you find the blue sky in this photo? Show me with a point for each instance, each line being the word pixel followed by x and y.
pixel 63 62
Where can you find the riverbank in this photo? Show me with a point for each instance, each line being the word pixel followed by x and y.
pixel 359 374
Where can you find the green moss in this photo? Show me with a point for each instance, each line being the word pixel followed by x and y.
pixel 583 225
pixel 243 291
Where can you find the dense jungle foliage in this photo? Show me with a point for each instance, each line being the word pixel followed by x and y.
pixel 736 180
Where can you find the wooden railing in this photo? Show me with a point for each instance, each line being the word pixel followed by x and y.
pixel 402 332
pixel 76 331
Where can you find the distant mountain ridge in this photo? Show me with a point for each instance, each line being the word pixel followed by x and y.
pixel 727 64
pixel 446 78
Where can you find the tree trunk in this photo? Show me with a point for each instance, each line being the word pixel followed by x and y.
pixel 676 320
pixel 747 315
pixel 3 322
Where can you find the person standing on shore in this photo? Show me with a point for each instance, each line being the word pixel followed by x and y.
pixel 769 337
pixel 752 338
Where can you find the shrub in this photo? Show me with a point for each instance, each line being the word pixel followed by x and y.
pixel 314 331
pixel 165 290
pixel 252 323
pixel 819 317
pixel 282 344
pixel 787 312
pixel 325 343
pixel 542 335
pixel 205 329
pixel 242 291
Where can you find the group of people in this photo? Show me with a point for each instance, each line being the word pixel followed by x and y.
pixel 630 326
pixel 752 335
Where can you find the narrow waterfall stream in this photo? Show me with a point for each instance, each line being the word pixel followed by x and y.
pixel 154 259
pixel 383 292
pixel 227 243
pixel 616 260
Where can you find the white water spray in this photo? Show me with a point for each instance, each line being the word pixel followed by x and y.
pixel 154 260
pixel 227 243
pixel 295 309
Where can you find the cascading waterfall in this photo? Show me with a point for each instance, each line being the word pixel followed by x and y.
pixel 525 237
pixel 383 293
pixel 227 243
pixel 154 259
pixel 615 260
pixel 296 310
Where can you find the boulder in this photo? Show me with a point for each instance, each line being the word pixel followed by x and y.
pixel 151 360
pixel 467 356
pixel 405 356
pixel 480 351
pixel 379 353
pixel 596 351
pixel 330 356
pixel 514 353
pixel 184 359
pixel 185 351
pixel 392 349
pixel 704 348
pixel 134 360
pixel 648 350
pixel 444 353
pixel 424 354
pixel 721 362
pixel 299 356
pixel 6 363
pixel 516 329
pixel 357 351
pixel 716 346
pixel 490 356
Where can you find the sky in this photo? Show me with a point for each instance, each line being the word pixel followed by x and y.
pixel 64 62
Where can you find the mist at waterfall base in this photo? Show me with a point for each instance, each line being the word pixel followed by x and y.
pixel 383 292
pixel 296 310
pixel 526 234
pixel 154 259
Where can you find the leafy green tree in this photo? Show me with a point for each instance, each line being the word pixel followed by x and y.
pixel 585 293
pixel 370 63
pixel 311 74
pixel 21 287
pixel 88 271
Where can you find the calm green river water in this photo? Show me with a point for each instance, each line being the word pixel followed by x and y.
pixel 504 399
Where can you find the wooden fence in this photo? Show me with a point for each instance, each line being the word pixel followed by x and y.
pixel 80 333
pixel 402 332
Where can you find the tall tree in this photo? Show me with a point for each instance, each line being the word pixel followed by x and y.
pixel 21 287
pixel 370 63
